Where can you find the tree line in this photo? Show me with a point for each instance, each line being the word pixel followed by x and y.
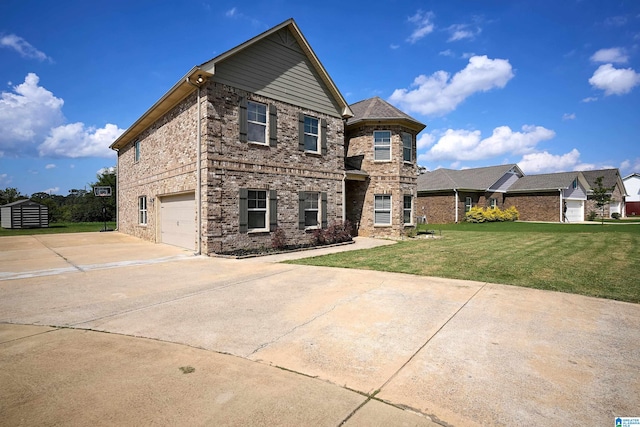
pixel 80 205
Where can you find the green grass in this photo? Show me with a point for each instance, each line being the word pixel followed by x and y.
pixel 59 227
pixel 586 259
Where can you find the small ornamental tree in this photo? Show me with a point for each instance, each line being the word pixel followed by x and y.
pixel 602 195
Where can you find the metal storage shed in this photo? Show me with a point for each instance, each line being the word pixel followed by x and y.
pixel 24 214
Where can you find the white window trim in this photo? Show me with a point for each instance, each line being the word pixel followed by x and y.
pixel 389 146
pixel 390 210
pixel 470 204
pixel 410 210
pixel 493 202
pixel 266 124
pixel 318 136
pixel 410 161
pixel 143 211
pixel 318 212
pixel 266 213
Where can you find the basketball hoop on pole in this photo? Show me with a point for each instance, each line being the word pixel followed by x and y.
pixel 103 192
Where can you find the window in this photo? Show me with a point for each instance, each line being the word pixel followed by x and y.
pixel 257 210
pixel 575 183
pixel 311 134
pixel 408 209
pixel 257 122
pixel 493 203
pixel 311 210
pixel 382 145
pixel 468 204
pixel 407 142
pixel 136 150
pixel 382 210
pixel 142 210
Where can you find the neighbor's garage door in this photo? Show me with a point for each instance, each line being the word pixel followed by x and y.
pixel 177 220
pixel 575 210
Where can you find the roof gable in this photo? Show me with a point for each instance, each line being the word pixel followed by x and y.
pixel 609 177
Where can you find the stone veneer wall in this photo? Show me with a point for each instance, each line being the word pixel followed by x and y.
pixel 167 166
pixel 233 165
pixel 394 177
pixel 535 207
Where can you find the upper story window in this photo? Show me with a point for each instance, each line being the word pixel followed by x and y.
pixel 136 151
pixel 575 183
pixel 382 145
pixel 407 143
pixel 256 122
pixel 311 134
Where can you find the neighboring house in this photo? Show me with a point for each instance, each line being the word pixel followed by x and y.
pixel 632 200
pixel 254 140
pixel 611 180
pixel 381 168
pixel 445 195
pixel 544 197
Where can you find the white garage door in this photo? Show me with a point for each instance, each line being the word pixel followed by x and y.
pixel 178 220
pixel 575 210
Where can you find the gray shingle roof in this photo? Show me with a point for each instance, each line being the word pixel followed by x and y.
pixel 609 177
pixel 377 109
pixel 547 181
pixel 478 179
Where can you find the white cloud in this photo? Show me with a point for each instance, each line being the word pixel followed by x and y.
pixel 4 179
pixel 231 12
pixel 614 81
pixel 545 162
pixel 425 140
pixel 630 166
pixel 52 190
pixel 23 47
pixel 465 145
pixel 590 99
pixel 109 170
pixel 423 25
pixel 27 114
pixel 447 52
pixel 50 166
pixel 567 116
pixel 440 93
pixel 462 31
pixel 612 55
pixel 74 140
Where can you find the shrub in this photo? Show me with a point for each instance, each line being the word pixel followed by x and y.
pixel 336 232
pixel 615 215
pixel 478 215
pixel 278 239
pixel 592 216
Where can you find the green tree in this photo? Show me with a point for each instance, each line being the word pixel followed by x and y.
pixel 10 195
pixel 601 195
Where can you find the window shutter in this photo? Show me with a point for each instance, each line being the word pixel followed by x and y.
pixel 302 197
pixel 242 120
pixel 323 196
pixel 243 213
pixel 301 131
pixel 273 125
pixel 273 210
pixel 323 135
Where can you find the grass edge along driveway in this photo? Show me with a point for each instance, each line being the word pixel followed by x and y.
pixel 586 259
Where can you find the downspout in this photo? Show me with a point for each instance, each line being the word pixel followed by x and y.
pixel 561 205
pixel 117 188
pixel 455 206
pixel 198 170
pixel 344 197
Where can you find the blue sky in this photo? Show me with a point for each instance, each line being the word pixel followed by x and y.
pixel 550 85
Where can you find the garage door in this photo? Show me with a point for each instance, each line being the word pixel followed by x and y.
pixel 178 220
pixel 575 210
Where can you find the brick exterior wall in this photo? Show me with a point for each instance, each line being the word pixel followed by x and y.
pixel 438 208
pixel 590 204
pixel 395 178
pixel 535 207
pixel 167 165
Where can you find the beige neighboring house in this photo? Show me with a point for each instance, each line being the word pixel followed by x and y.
pixel 610 179
pixel 254 140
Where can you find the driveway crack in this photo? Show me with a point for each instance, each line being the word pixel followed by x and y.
pixel 59 254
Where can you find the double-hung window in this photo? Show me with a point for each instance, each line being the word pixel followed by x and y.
pixel 311 210
pixel 468 204
pixel 257 122
pixel 408 209
pixel 493 202
pixel 382 145
pixel 382 210
pixel 407 142
pixel 142 210
pixel 311 134
pixel 136 151
pixel 257 209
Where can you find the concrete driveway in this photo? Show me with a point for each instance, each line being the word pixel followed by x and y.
pixel 264 343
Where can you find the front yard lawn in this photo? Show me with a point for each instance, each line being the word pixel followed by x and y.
pixel 587 259
pixel 59 227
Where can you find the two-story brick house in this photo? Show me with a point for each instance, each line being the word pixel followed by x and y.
pixel 250 141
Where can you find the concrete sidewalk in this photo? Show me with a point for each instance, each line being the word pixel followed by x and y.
pixel 351 345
